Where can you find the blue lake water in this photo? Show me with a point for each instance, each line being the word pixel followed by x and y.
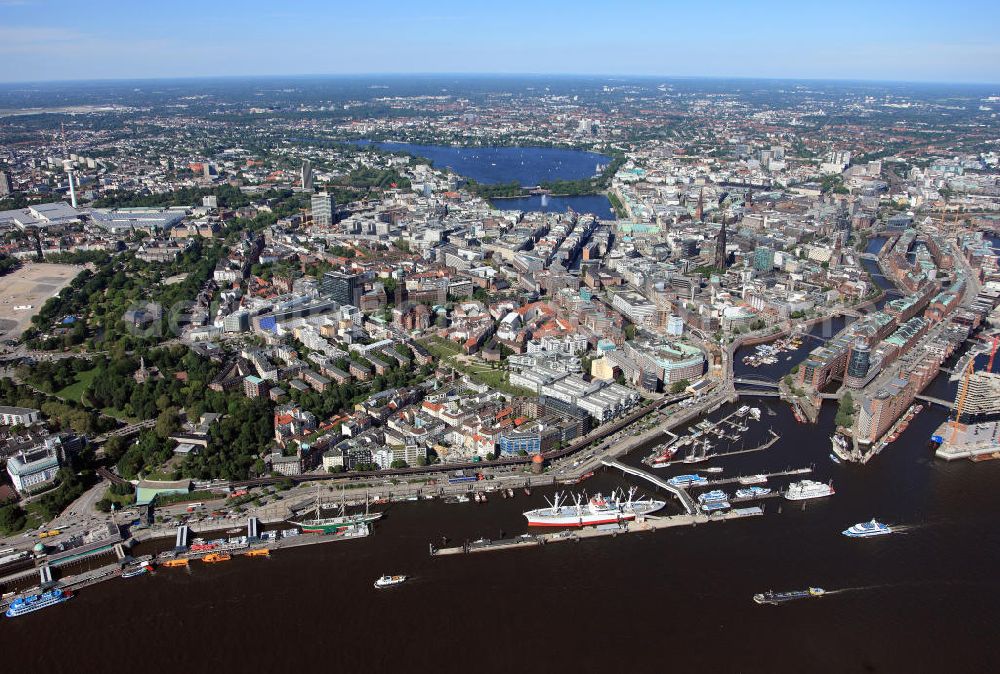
pixel 529 166
pixel 597 204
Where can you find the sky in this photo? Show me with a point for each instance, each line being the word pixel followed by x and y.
pixel 917 40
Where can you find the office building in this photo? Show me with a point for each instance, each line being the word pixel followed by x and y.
pixel 307 175
pixel 763 259
pixel 322 209
pixel 859 361
pixel 342 288
pixel 982 398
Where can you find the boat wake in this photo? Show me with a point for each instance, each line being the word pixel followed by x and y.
pixel 859 588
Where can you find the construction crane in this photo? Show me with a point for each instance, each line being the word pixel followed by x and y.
pixel 960 403
pixel 993 352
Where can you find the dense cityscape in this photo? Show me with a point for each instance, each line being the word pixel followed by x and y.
pixel 251 317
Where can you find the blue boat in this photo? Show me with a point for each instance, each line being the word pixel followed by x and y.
pixel 686 480
pixel 867 530
pixel 713 496
pixel 37 602
pixel 712 506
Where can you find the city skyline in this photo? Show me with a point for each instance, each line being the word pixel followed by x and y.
pixel 61 41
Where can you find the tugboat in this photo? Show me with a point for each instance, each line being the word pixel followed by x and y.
pixel 867 530
pixel 389 581
pixel 772 597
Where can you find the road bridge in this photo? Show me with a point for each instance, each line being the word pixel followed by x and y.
pixel 755 382
pixel 935 401
pixel 125 431
pixel 762 394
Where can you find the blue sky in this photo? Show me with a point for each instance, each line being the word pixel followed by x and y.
pixel 916 40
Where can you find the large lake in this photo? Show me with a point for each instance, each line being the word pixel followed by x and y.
pixel 529 166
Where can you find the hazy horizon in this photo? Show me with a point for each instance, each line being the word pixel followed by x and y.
pixel 58 40
pixel 487 75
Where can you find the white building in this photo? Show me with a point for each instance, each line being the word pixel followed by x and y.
pixel 35 468
pixel 18 416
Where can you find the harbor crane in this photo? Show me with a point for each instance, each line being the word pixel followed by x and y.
pixel 960 403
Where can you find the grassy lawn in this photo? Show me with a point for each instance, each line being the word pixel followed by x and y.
pixel 496 379
pixel 442 348
pixel 120 415
pixel 75 390
pixel 35 517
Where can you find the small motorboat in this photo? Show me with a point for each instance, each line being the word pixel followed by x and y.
pixel 389 581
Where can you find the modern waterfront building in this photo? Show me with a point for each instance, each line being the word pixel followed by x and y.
pixel 664 362
pixel 515 442
pixel 880 412
pixel 860 360
pixel 982 397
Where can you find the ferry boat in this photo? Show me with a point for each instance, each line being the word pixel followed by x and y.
pixel 37 602
pixel 175 562
pixel 807 489
pixel 715 495
pixel 216 557
pixel 712 506
pixel 867 530
pixel 389 581
pixel 687 480
pixel 597 510
pixel 752 492
pixel 258 552
pixel 772 597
